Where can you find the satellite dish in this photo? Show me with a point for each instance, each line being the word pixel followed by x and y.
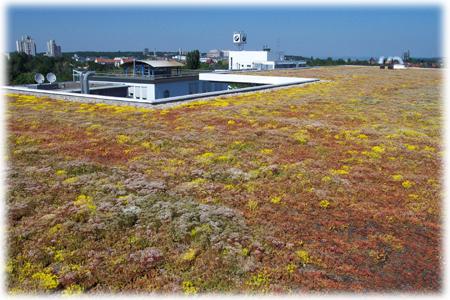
pixel 51 77
pixel 39 78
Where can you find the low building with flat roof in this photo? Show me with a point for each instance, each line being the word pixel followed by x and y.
pixel 152 67
pixel 259 60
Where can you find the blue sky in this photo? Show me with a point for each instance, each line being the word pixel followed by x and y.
pixel 357 31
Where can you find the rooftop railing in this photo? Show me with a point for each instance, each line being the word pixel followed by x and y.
pixel 180 73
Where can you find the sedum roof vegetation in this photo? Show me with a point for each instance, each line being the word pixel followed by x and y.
pixel 333 186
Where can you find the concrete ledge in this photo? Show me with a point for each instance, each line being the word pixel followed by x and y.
pixel 74 96
pixel 238 78
pixel 136 102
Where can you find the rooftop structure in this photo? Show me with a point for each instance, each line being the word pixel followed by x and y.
pixel 392 62
pixel 257 60
pixel 179 57
pixel 152 67
pixel 159 89
pixel 118 61
pixel 104 61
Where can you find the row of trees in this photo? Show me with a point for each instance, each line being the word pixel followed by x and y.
pixel 193 62
pixel 22 67
pixel 334 62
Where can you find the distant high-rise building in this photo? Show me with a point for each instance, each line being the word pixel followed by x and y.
pixel 406 55
pixel 146 52
pixel 26 45
pixel 53 50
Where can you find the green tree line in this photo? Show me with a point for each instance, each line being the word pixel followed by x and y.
pixel 21 67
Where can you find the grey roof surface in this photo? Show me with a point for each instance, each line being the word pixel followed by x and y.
pixel 160 63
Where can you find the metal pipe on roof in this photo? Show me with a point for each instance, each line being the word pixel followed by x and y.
pixel 85 81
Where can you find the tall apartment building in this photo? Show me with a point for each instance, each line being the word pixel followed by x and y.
pixel 53 50
pixel 26 45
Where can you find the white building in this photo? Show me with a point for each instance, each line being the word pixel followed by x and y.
pixel 392 62
pixel 26 45
pixel 53 50
pixel 118 61
pixel 259 60
pixel 245 60
pixel 179 57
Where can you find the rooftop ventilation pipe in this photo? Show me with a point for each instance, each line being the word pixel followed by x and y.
pixel 84 79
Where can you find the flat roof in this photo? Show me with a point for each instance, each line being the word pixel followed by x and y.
pixel 257 79
pixel 159 63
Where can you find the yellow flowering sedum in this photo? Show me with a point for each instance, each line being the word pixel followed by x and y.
pixel 189 255
pixel 303 256
pixel 60 172
pixel 326 179
pixel 411 147
pixel 122 138
pixel 290 268
pixel 206 155
pixel 378 149
pixel 73 289
pixel 71 180
pixel 301 136
pixel 397 177
pixel 266 151
pixel 344 170
pixel 46 280
pixel 276 200
pixel 407 184
pixel 324 203
pixel 189 288
pixel 83 200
